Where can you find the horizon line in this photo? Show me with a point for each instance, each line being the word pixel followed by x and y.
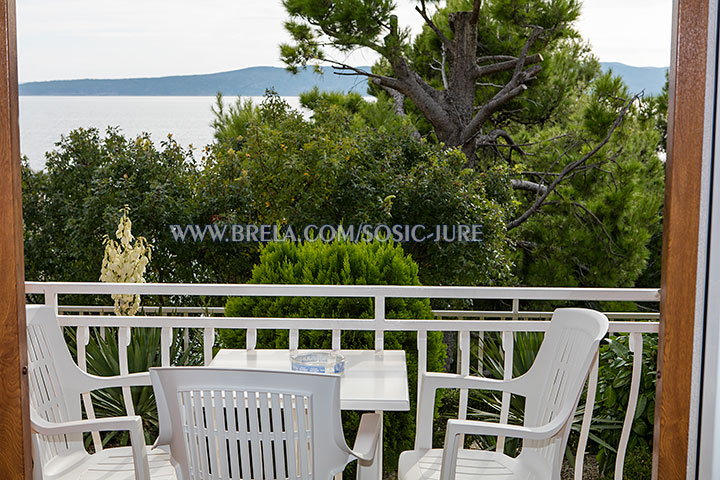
pixel 28 82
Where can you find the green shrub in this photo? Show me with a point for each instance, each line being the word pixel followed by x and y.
pixel 70 205
pixel 342 263
pixel 638 463
pixel 613 392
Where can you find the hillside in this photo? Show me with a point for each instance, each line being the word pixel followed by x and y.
pixel 650 79
pixel 254 80
pixel 246 82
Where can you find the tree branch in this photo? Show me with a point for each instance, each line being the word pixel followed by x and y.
pixel 409 84
pixel 399 107
pixel 572 166
pixel 526 48
pixel 428 21
pixel 443 73
pixel 384 80
pixel 475 14
pixel 441 68
pixel 527 185
pixel 491 140
pixel 503 96
pixel 526 245
pixel 512 89
pixel 508 64
pixel 495 58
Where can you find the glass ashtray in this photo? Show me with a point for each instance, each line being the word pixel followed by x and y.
pixel 318 362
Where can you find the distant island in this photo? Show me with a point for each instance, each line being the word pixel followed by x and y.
pixel 254 81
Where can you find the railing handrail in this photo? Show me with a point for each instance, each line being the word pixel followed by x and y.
pixel 388 291
pixel 369 324
pixel 437 313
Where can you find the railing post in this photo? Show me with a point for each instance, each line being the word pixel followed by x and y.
pixel 123 343
pixel 508 344
pixel 636 346
pixel 83 339
pixel 464 363
pixel 208 342
pixel 166 335
pixel 251 338
pixel 336 340
pixel 422 359
pixel 587 417
pixel 294 339
pixel 379 323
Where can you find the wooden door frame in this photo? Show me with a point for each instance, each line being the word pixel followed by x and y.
pixel 679 270
pixel 15 459
pixel 684 242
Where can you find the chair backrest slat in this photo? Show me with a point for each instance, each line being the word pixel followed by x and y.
pixel 292 464
pixel 304 444
pixel 254 432
pixel 242 431
pixel 221 430
pixel 266 443
pixel 279 435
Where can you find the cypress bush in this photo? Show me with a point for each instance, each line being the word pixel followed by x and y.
pixel 342 263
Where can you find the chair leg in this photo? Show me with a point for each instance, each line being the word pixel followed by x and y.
pixel 374 472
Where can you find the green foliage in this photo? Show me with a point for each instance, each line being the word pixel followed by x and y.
pixel 614 376
pixel 374 114
pixel 598 228
pixel 595 228
pixel 337 169
pixel 348 23
pixel 88 179
pixel 231 118
pixel 638 464
pixel 655 110
pixel 342 263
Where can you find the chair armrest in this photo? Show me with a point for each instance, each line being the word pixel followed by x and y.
pixel 131 424
pixel 455 428
pixel 367 439
pixel 429 384
pixel 473 427
pixel 516 386
pixel 87 382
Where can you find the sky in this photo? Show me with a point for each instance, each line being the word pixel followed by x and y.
pixel 148 38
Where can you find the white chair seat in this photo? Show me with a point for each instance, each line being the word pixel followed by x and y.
pixel 109 464
pixel 471 464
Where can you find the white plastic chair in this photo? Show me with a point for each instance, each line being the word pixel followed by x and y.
pixel 256 424
pixel 552 389
pixel 56 384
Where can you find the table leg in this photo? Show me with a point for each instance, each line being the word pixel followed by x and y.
pixel 374 472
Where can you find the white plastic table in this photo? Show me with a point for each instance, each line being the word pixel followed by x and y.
pixel 372 381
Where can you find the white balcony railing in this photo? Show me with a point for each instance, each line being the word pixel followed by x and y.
pixel 461 322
